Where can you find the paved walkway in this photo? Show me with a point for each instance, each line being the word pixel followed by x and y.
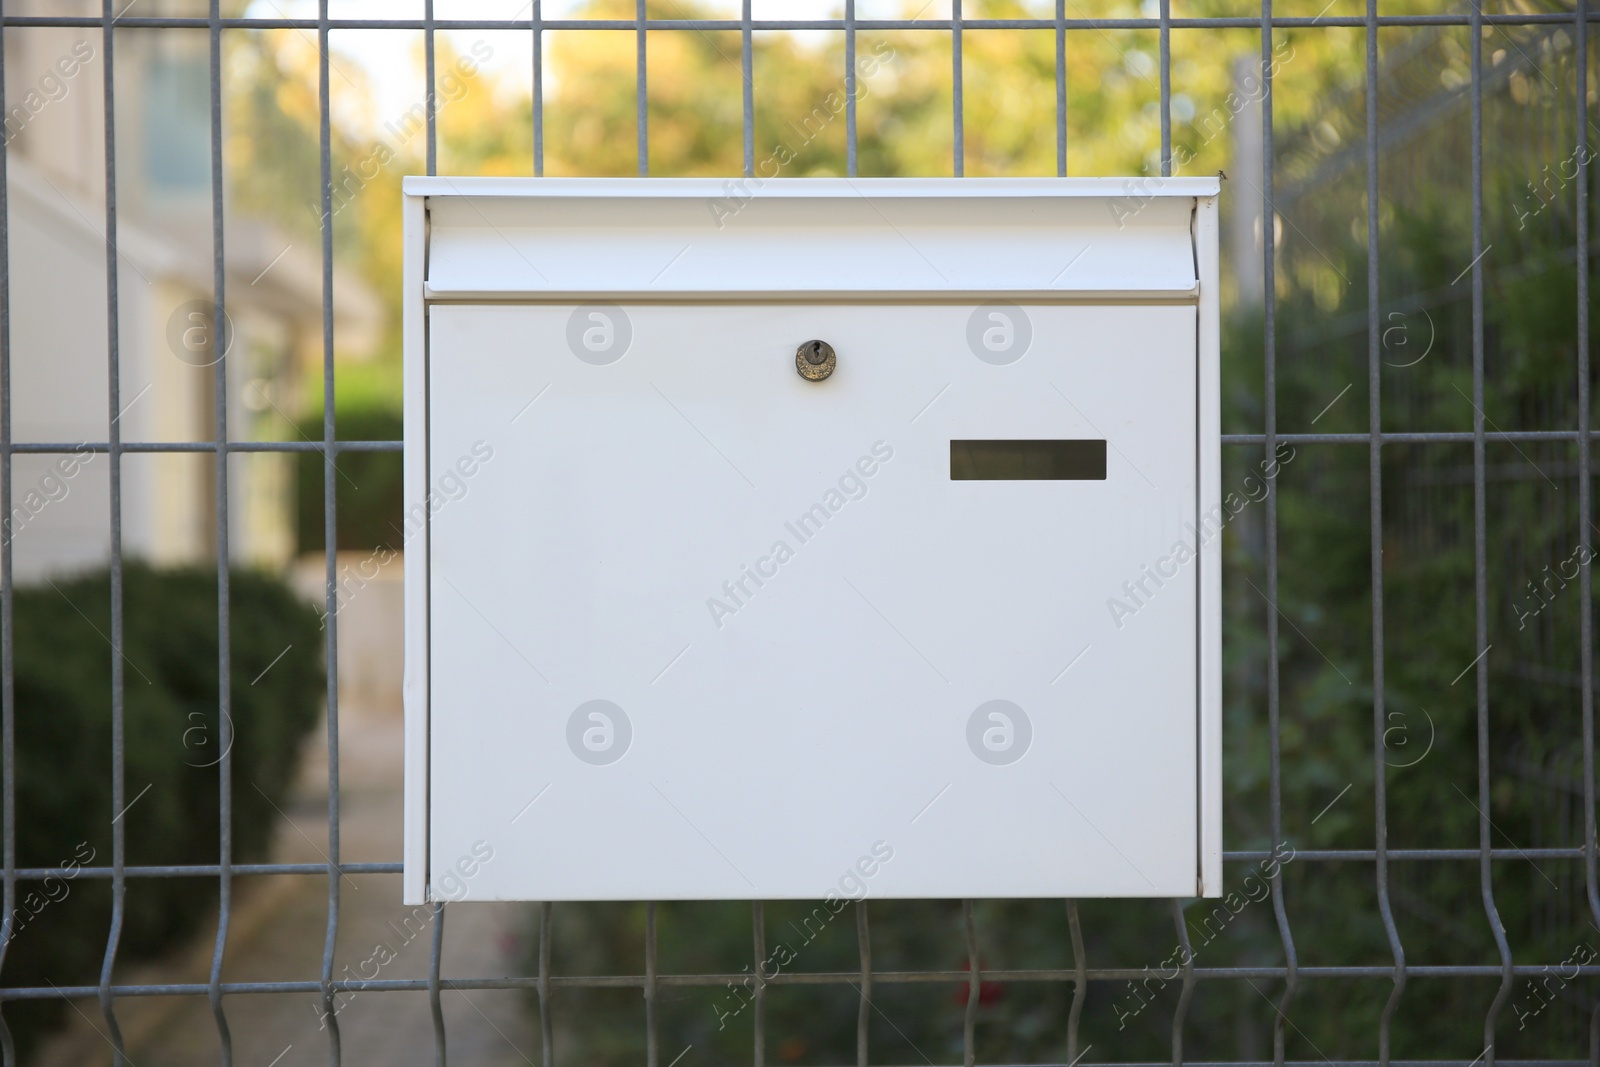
pixel 279 924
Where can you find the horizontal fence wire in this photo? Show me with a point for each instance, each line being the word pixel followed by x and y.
pixel 737 25
pixel 1422 437
pixel 851 979
pixel 1481 437
pixel 1325 855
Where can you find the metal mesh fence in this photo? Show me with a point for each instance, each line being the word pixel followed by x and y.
pixel 1572 840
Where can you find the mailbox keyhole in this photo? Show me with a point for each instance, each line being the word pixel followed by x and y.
pixel 814 360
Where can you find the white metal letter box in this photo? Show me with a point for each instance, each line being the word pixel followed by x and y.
pixel 805 537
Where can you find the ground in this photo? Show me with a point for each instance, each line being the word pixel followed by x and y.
pixel 277 931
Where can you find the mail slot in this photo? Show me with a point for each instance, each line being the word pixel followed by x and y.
pixel 1012 460
pixel 811 538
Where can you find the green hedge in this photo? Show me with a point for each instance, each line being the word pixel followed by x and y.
pixel 170 685
pixel 370 499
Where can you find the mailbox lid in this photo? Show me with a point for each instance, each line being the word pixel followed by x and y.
pixel 545 238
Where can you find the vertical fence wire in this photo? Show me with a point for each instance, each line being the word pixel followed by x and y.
pixel 119 855
pixel 748 89
pixel 431 104
pixel 1080 981
pixel 850 88
pixel 435 991
pixel 1186 992
pixel 1061 88
pixel 969 1025
pixel 1165 104
pixel 641 85
pixel 547 1040
pixel 652 1055
pixel 221 339
pixel 1380 725
pixel 1480 549
pixel 436 946
pixel 8 758
pixel 8 750
pixel 1165 62
pixel 538 88
pixel 1270 423
pixel 958 105
pixel 864 1008
pixel 758 938
pixel 1585 473
pixel 330 532
pixel 1165 45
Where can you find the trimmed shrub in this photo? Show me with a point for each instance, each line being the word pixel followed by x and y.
pixel 370 495
pixel 171 753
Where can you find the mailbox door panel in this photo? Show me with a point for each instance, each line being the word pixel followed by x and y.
pixel 701 628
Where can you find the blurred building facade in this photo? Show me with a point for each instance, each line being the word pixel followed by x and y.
pixel 55 132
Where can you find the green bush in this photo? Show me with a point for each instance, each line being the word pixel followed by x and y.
pixel 64 813
pixel 369 484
